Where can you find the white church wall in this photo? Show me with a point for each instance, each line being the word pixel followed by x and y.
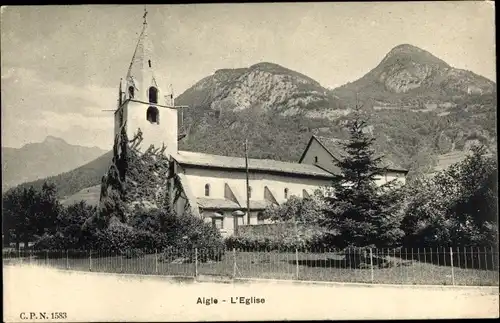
pixel 198 178
pixel 326 160
pixel 316 150
pixel 228 221
pixel 153 134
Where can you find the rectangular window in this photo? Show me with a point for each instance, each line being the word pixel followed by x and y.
pixel 241 220
pixel 238 220
pixel 260 218
pixel 218 222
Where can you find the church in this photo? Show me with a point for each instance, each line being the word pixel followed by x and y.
pixel 215 187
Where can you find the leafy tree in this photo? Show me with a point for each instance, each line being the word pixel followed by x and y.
pixel 362 211
pixel 308 210
pixel 16 224
pixel 29 213
pixel 457 207
pixel 70 224
pixel 48 209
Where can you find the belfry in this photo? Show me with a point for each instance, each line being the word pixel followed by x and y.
pixel 142 105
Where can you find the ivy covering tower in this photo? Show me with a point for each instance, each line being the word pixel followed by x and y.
pixel 135 180
pixel 145 139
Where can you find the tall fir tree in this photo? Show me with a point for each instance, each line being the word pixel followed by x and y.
pixel 359 209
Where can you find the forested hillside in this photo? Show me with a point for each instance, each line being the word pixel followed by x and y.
pixel 419 106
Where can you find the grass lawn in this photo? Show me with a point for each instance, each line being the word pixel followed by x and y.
pixel 275 265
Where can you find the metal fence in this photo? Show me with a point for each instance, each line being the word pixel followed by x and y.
pixel 428 266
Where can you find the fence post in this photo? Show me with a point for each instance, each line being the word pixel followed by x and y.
pixel 478 258
pixel 90 260
pixel 234 262
pixel 452 270
pixel 485 260
pixel 67 259
pixel 296 264
pixel 195 262
pixel 156 261
pixel 472 257
pixel 492 259
pixel 412 267
pixel 371 263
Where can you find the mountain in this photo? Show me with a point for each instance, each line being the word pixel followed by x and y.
pixel 42 159
pixel 419 109
pixel 80 178
pixel 266 86
pixel 410 76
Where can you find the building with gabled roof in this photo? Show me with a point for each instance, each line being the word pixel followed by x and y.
pixel 212 186
pixel 324 152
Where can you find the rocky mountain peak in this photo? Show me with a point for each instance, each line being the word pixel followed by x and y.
pixel 268 86
pixel 409 53
pixel 407 72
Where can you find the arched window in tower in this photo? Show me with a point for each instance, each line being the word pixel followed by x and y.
pixel 149 62
pixel 131 91
pixel 207 189
pixel 286 193
pixel 153 115
pixel 153 95
pixel 315 159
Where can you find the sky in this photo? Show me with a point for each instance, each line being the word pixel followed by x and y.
pixel 61 65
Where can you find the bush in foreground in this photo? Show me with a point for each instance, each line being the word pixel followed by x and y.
pixel 150 230
pixel 283 239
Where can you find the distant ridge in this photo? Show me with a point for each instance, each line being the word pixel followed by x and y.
pixel 420 110
pixel 38 160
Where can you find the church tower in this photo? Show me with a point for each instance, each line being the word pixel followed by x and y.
pixel 141 103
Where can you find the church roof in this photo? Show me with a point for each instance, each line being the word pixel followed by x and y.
pixel 211 203
pixel 256 165
pixel 225 204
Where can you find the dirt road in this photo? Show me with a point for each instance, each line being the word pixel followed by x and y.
pixel 103 297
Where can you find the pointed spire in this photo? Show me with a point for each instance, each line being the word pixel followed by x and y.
pixel 140 72
pixel 145 14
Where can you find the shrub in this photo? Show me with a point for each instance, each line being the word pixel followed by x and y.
pixel 51 242
pixel 187 231
pixel 309 210
pixel 154 229
pixel 309 237
pixel 134 253
pixel 456 207
pixel 175 238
